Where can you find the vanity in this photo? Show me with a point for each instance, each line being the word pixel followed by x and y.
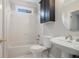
pixel 67 46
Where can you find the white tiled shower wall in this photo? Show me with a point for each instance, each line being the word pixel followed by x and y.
pixel 14 44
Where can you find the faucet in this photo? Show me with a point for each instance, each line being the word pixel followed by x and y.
pixel 69 36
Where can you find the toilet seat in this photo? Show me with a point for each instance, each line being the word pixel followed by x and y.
pixel 38 48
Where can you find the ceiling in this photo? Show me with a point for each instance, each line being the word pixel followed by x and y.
pixel 0 4
pixel 34 1
pixel 67 2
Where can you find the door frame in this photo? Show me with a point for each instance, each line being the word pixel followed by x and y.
pixel 4 26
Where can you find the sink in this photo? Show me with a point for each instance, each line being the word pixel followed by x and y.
pixel 69 47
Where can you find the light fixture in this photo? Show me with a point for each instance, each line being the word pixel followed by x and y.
pixel 0 7
pixel 34 1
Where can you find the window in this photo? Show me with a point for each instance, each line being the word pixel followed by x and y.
pixel 22 10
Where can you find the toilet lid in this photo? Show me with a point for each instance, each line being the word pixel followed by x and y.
pixel 38 48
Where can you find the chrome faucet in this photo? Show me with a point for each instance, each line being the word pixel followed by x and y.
pixel 69 36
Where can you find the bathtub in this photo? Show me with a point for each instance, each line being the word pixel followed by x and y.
pixel 19 51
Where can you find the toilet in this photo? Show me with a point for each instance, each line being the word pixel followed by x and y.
pixel 39 50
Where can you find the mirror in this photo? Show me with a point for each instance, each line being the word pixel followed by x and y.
pixel 70 14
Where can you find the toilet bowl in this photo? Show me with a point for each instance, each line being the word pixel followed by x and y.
pixel 38 50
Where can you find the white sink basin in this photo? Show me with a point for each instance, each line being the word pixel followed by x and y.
pixel 70 47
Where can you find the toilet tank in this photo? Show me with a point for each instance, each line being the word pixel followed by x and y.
pixel 46 41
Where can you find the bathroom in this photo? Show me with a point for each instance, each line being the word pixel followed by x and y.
pixel 20 31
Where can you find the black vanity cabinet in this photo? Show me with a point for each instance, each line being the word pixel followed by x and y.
pixel 47 10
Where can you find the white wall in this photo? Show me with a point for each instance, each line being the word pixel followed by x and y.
pixel 55 28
